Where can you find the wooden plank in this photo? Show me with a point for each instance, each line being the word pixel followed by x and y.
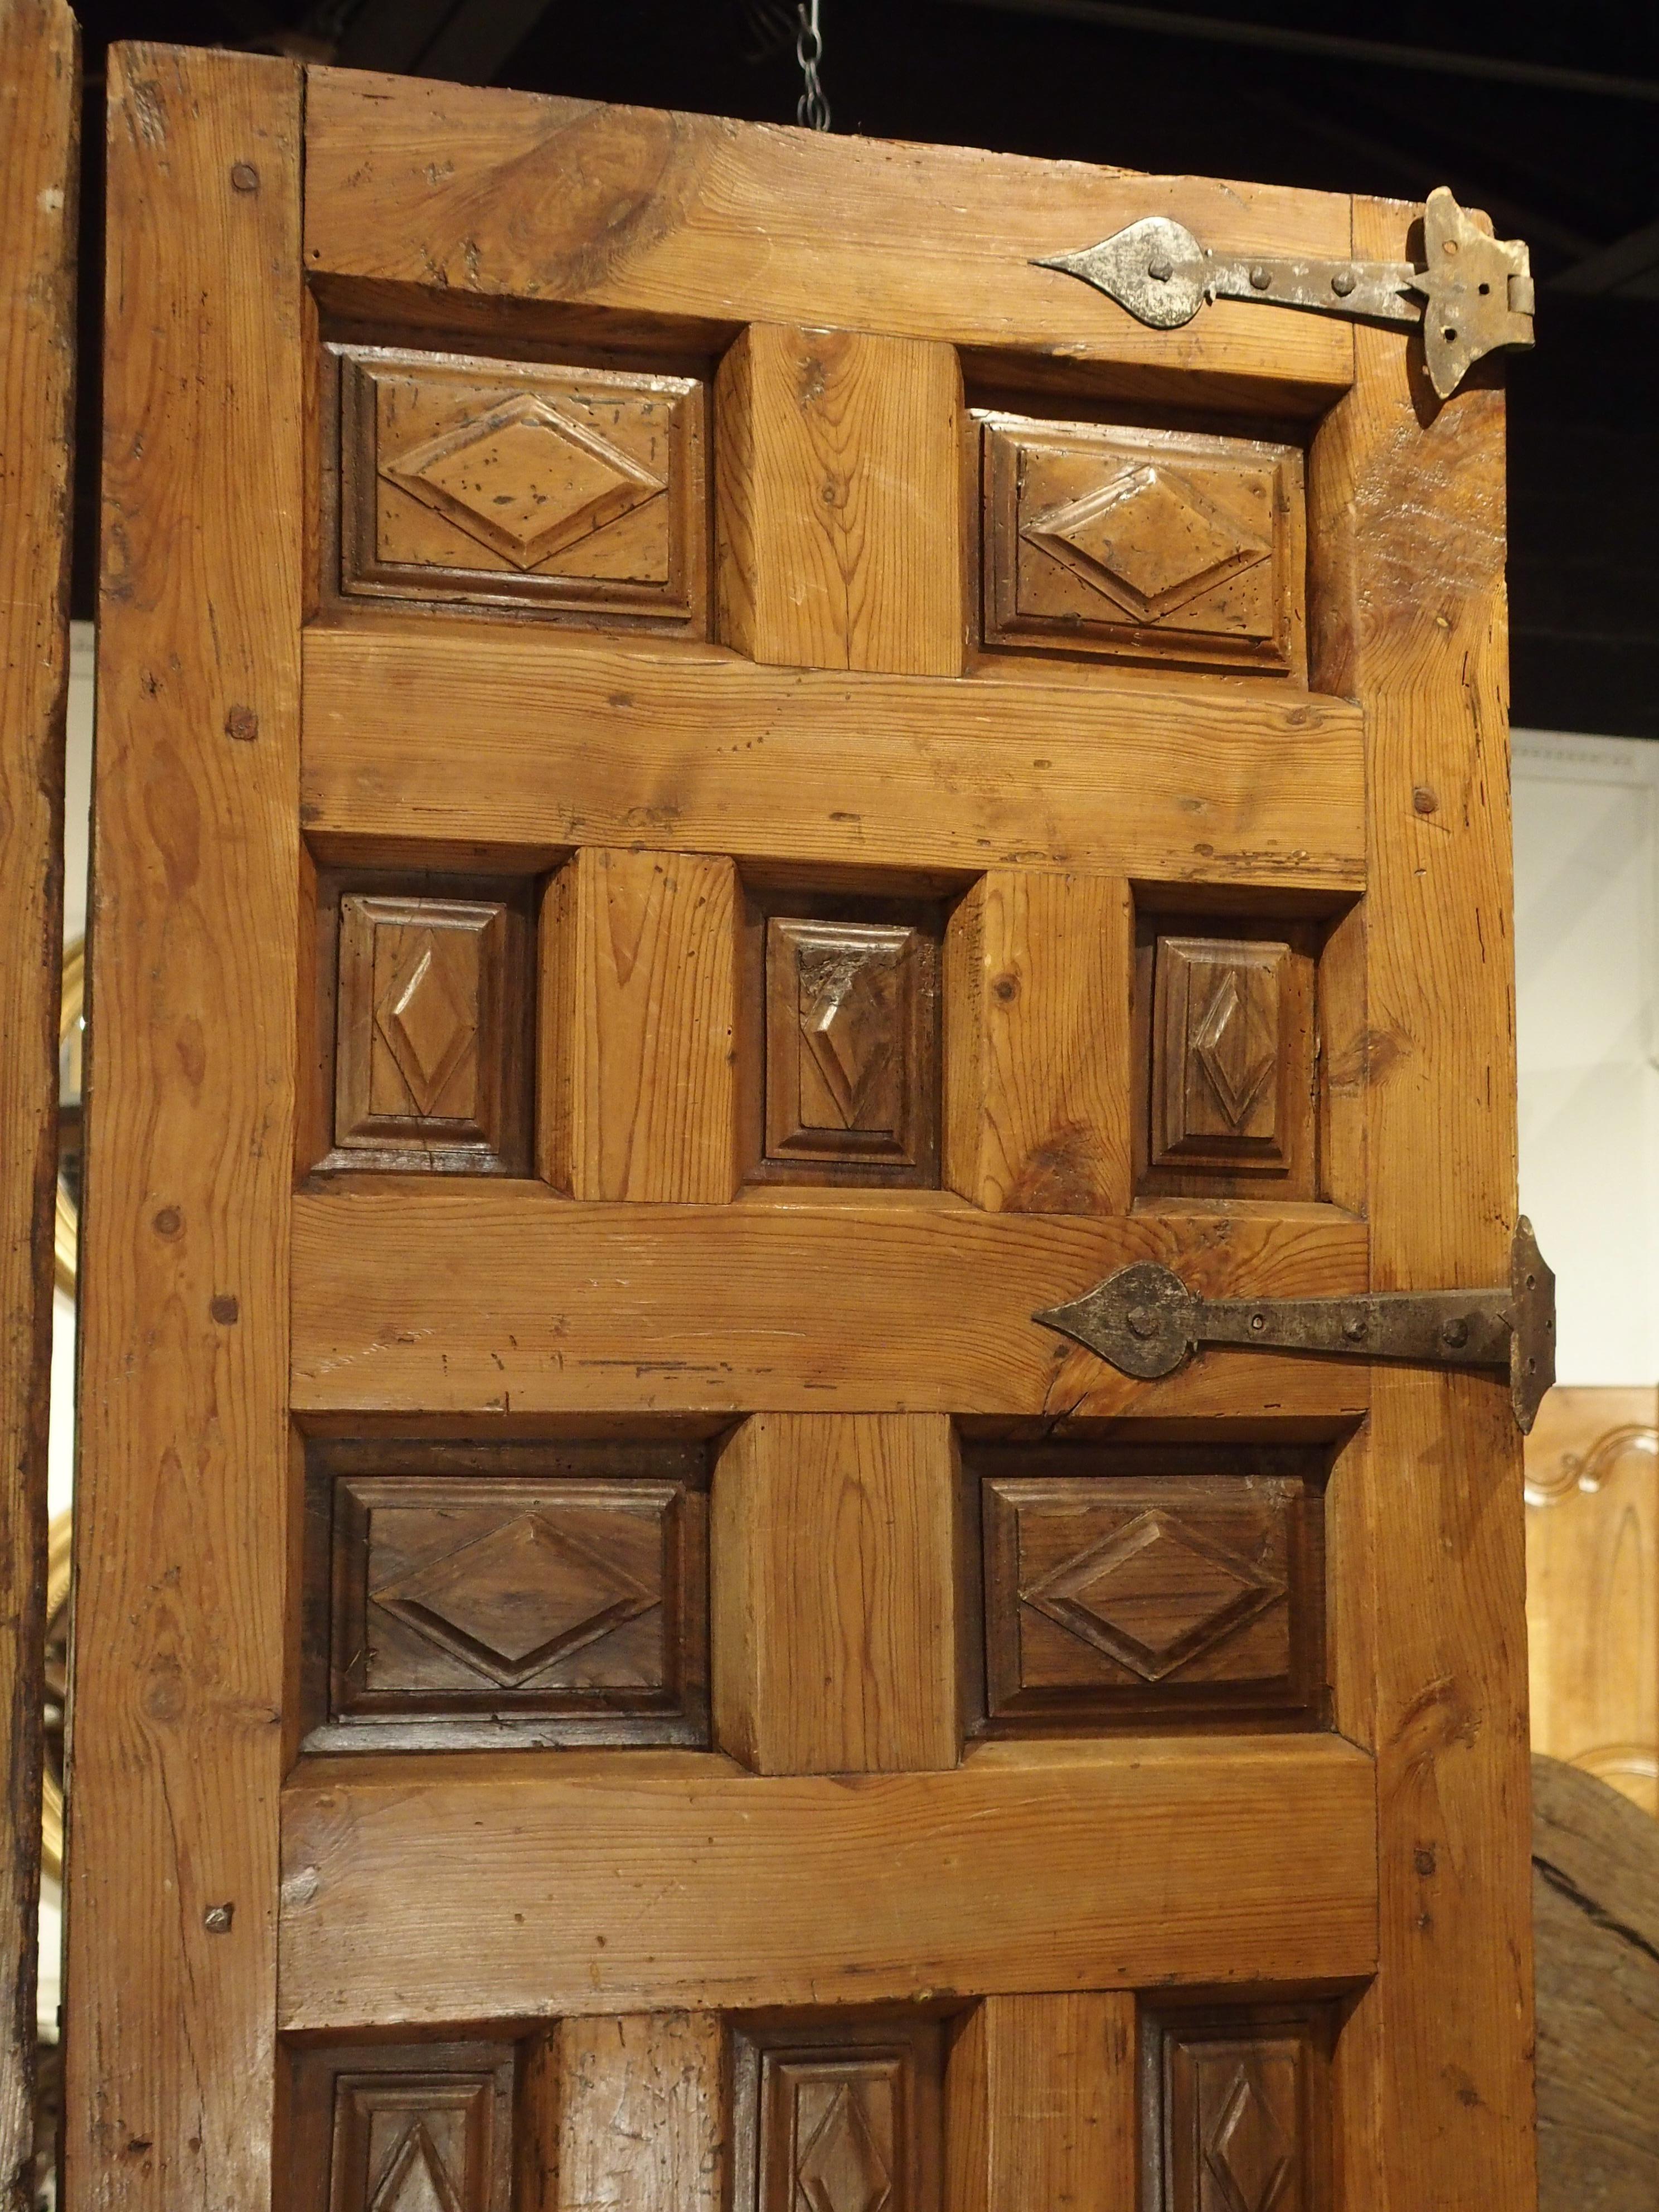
pixel 541 1306
pixel 834 1598
pixel 838 521
pixel 642 2106
pixel 638 976
pixel 39 127
pixel 710 223
pixel 1037 971
pixel 538 744
pixel 1593 1584
pixel 1595 1897
pixel 183 1505
pixel 1434 2077
pixel 575 1885
pixel 1041 2098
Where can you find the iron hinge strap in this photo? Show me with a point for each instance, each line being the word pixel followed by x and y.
pixel 1145 1321
pixel 1473 294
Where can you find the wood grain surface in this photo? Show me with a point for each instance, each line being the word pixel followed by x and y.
pixel 575 1886
pixel 1595 1902
pixel 179 1638
pixel 642 2114
pixel 1041 2096
pixel 519 744
pixel 838 515
pixel 639 1004
pixel 39 127
pixel 775 1305
pixel 835 1609
pixel 1037 1073
pixel 1434 2077
pixel 691 220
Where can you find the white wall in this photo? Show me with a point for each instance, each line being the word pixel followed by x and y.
pixel 1586 965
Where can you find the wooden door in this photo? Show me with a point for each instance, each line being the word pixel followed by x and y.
pixel 40 94
pixel 712 789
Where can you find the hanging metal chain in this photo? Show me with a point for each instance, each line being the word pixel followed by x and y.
pixel 813 109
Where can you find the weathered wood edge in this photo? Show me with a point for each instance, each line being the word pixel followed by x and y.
pixel 1434 2070
pixel 183 1503
pixel 39 129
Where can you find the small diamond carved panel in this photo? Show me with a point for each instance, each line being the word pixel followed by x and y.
pixel 839 2119
pixel 426 1027
pixel 427 2128
pixel 1236 2114
pixel 1172 1595
pixel 417 2177
pixel 1143 544
pixel 846 1049
pixel 841 2166
pixel 1226 1020
pixel 575 490
pixel 1220 1023
pixel 569 1601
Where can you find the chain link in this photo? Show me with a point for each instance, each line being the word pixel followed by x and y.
pixel 813 109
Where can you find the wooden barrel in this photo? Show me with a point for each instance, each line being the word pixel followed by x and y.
pixel 1596 1898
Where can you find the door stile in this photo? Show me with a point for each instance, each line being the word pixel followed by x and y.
pixel 39 120
pixel 183 1512
pixel 1433 2073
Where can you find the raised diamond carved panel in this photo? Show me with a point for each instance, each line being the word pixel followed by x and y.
pixel 426 1013
pixel 387 2128
pixel 1145 544
pixel 1238 2109
pixel 1227 1015
pixel 1234 1044
pixel 417 2179
pixel 512 1602
pixel 430 1027
pixel 1149 1587
pixel 1149 539
pixel 580 491
pixel 1154 1594
pixel 524 478
pixel 845 1051
pixel 850 987
pixel 563 1591
pixel 842 2168
pixel 1247 2149
pixel 842 2118
pixel 1221 1031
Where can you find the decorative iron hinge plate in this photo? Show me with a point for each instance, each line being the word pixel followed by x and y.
pixel 1474 297
pixel 1147 1322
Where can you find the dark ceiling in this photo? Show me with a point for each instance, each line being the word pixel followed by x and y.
pixel 1548 117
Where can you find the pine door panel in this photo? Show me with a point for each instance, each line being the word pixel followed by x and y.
pixel 716 1888
pixel 776 790
pixel 412 745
